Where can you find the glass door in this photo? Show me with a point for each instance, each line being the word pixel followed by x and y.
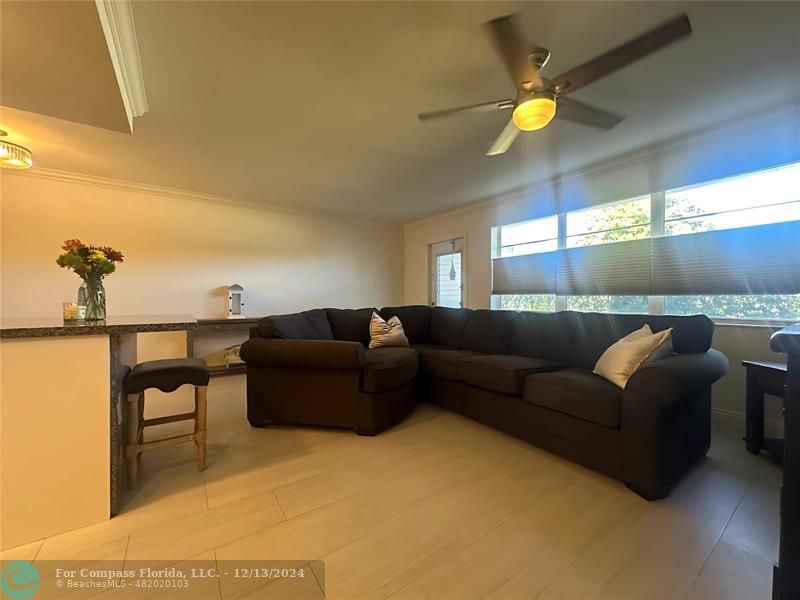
pixel 447 273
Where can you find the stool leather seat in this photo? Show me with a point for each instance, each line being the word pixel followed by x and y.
pixel 167 374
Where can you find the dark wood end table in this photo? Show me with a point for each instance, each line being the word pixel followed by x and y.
pixel 762 378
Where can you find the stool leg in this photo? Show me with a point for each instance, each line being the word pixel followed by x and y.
pixel 200 425
pixel 132 445
pixel 140 436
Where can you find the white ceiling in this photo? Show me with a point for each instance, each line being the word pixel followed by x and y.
pixel 313 105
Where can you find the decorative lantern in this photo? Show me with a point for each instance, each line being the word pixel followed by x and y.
pixel 235 302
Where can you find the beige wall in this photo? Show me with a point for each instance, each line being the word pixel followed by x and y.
pixel 738 343
pixel 714 153
pixel 181 253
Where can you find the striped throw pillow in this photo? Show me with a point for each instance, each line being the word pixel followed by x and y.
pixel 386 333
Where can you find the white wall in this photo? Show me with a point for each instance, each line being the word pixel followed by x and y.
pixel 769 139
pixel 182 251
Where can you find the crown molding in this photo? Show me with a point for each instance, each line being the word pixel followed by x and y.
pixel 116 18
pixel 609 166
pixel 180 194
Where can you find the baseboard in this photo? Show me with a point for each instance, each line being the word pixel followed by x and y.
pixel 773 427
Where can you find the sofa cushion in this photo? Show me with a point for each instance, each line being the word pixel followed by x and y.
pixel 447 326
pixel 578 393
pixel 542 335
pixel 350 324
pixel 416 321
pixel 442 361
pixel 388 368
pixel 308 325
pixel 424 347
pixel 488 331
pixel 502 373
pixel 594 332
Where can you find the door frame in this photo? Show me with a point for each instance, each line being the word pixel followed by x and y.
pixel 431 272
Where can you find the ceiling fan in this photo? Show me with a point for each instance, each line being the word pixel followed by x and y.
pixel 540 99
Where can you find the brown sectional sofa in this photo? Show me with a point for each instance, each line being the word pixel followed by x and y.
pixel 527 374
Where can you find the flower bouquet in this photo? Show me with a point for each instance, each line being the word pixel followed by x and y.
pixel 91 263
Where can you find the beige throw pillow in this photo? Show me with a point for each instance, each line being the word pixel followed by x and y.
pixel 621 360
pixel 386 333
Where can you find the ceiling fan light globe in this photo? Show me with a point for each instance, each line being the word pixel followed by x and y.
pixel 534 112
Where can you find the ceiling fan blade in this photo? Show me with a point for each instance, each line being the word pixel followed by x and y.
pixel 622 56
pixel 482 107
pixel 579 112
pixel 515 52
pixel 504 140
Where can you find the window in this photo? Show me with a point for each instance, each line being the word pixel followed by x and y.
pixel 768 307
pixel 614 304
pixel 448 279
pixel 534 302
pixel 762 198
pixel 617 222
pixel 770 196
pixel 530 237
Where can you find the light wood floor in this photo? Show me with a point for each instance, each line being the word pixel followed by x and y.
pixel 439 507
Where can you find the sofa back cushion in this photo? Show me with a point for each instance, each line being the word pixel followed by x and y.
pixel 595 332
pixel 488 331
pixel 350 324
pixel 447 326
pixel 308 325
pixel 543 335
pixel 416 321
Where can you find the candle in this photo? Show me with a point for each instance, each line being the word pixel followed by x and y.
pixel 74 311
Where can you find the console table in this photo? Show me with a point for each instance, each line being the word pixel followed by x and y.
pixel 762 378
pixel 220 325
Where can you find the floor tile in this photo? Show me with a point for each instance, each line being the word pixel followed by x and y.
pixel 438 507
pixel 732 574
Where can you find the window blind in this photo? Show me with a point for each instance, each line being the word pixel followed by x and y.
pixel 526 274
pixel 620 268
pixel 763 259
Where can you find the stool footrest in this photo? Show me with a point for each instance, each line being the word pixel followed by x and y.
pixel 175 439
pixel 168 419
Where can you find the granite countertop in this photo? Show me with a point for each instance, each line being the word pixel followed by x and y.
pixel 55 326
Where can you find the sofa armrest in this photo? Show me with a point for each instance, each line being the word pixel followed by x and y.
pixel 666 419
pixel 690 369
pixel 310 354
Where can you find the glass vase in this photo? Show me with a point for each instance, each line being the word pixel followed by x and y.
pixel 93 295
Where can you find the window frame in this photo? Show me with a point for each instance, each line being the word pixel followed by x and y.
pixel 497 245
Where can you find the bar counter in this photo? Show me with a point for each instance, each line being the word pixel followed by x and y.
pixel 61 436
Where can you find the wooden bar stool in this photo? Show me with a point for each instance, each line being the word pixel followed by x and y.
pixel 165 375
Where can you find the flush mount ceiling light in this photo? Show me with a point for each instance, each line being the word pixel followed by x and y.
pixel 14 156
